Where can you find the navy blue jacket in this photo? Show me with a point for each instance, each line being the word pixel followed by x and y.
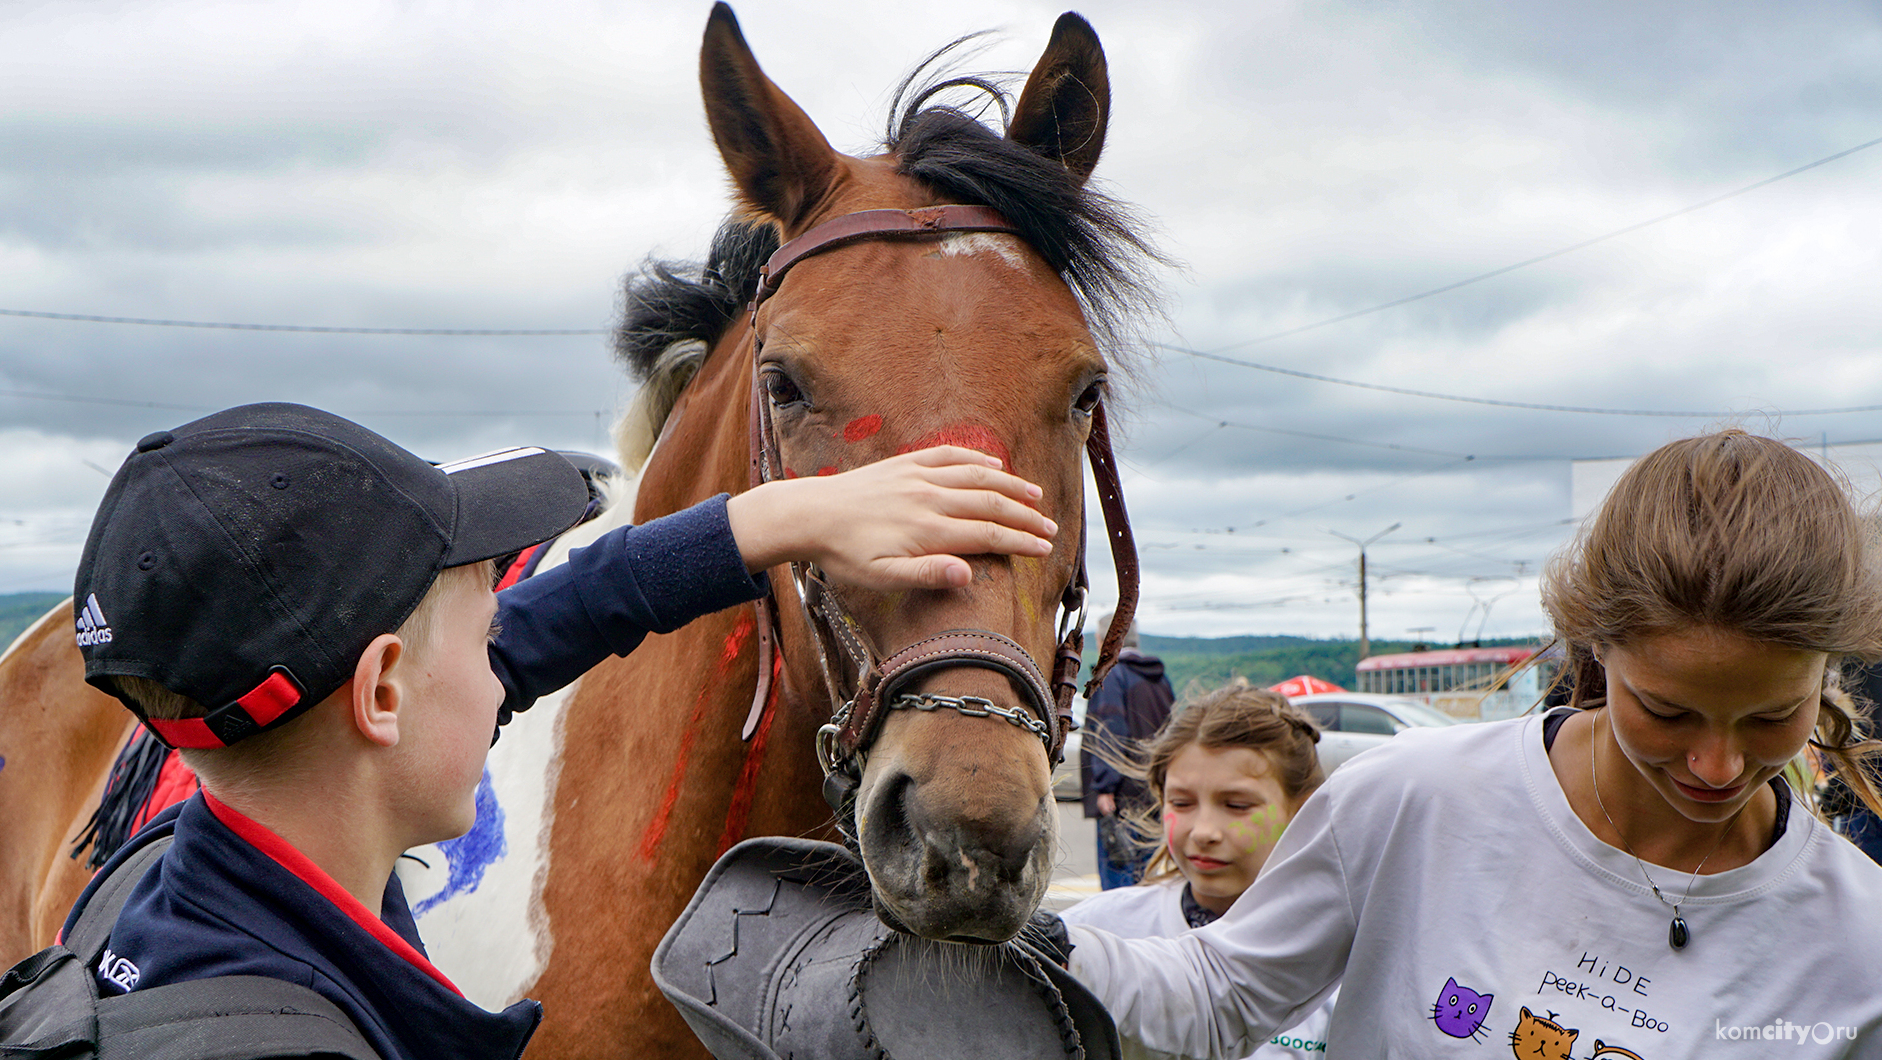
pixel 1131 705
pixel 231 898
pixel 646 579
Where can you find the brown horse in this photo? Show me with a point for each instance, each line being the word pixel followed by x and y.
pixel 58 736
pixel 620 793
pixel 864 351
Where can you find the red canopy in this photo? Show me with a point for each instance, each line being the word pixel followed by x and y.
pixel 1304 685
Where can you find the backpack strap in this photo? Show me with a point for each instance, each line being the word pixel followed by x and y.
pixel 229 1017
pixel 93 927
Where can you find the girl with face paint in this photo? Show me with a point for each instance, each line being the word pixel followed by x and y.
pixel 1631 872
pixel 1228 771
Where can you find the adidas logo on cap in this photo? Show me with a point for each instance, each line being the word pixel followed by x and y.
pixel 92 627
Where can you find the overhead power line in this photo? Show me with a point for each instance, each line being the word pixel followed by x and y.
pixel 1500 403
pixel 1217 354
pixel 1220 423
pixel 128 402
pixel 1637 226
pixel 87 318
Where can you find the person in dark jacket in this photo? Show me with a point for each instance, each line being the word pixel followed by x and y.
pixel 328 595
pixel 1848 814
pixel 1131 705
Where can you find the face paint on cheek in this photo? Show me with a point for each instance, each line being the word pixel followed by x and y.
pixel 1260 828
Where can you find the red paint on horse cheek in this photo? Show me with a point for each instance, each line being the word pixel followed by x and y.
pixel 861 427
pixel 788 473
pixel 831 470
pixel 967 436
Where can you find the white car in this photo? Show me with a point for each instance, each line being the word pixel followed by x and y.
pixel 1351 722
pixel 1065 778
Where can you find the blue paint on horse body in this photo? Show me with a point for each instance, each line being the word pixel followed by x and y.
pixel 467 856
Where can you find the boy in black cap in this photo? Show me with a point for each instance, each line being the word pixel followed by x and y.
pixel 274 564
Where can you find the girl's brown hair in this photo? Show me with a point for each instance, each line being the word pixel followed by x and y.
pixel 1733 532
pixel 1234 716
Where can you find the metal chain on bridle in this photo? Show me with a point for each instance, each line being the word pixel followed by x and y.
pixel 881 684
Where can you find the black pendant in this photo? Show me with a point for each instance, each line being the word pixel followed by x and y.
pixel 1677 935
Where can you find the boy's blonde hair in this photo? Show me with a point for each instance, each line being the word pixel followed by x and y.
pixel 269 752
pixel 1734 532
pixel 1233 716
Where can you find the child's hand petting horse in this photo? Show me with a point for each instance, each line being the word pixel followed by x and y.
pixel 901 523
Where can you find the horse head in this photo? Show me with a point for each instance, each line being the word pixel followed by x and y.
pixel 987 331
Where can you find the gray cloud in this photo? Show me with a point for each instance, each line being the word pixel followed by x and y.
pixel 373 165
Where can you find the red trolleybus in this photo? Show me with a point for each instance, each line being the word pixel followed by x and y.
pixel 1471 684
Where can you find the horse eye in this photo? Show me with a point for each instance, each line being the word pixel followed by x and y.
pixel 1090 398
pixel 781 389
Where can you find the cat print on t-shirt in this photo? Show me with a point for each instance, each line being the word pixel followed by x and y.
pixel 1460 1011
pixel 1537 1038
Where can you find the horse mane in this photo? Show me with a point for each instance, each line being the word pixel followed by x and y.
pixel 673 312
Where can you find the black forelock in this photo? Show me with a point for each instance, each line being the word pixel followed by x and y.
pixel 1091 239
pixel 1087 237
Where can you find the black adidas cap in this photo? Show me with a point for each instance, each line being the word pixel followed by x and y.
pixel 246 560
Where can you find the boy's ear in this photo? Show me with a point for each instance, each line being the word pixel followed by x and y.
pixel 376 692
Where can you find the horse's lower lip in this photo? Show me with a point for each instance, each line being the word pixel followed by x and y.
pixel 888 917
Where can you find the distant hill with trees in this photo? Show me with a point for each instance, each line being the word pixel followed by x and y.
pixel 19 610
pixel 1209 662
pixel 1206 662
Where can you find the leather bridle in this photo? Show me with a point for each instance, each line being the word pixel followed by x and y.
pixel 881 684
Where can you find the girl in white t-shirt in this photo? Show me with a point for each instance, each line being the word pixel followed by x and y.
pixel 1228 771
pixel 1625 877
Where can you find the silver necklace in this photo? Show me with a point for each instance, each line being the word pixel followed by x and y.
pixel 1677 933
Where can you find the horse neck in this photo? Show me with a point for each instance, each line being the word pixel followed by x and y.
pixel 704 449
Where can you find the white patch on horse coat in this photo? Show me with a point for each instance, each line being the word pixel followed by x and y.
pixel 494 940
pixel 1008 248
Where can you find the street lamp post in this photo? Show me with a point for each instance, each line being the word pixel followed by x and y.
pixel 1365 644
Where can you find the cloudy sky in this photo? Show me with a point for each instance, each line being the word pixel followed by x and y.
pixel 424 165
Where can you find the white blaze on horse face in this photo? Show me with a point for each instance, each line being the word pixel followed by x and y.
pixel 1007 248
pixel 479 903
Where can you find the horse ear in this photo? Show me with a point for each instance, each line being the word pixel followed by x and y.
pixel 782 165
pixel 1063 112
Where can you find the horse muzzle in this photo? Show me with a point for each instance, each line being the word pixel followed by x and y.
pixel 953 817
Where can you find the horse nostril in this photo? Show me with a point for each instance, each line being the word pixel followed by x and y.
pixel 1011 845
pixel 887 819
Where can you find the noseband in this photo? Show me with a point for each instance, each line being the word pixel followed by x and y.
pixel 881 684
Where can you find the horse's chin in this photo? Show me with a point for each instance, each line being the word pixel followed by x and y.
pixel 944 885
